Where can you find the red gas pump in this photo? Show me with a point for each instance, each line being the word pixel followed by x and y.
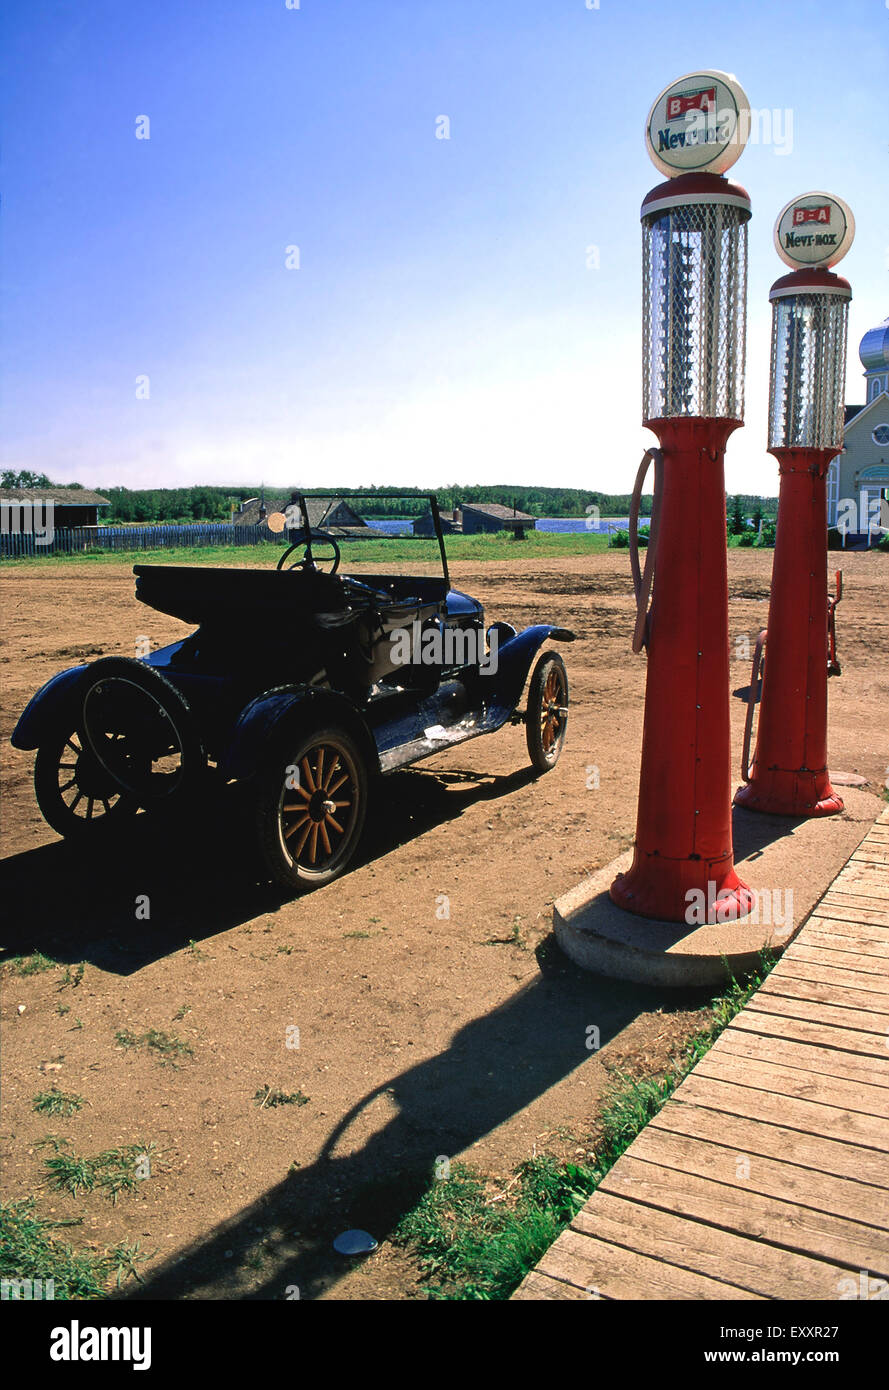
pixel 810 309
pixel 695 284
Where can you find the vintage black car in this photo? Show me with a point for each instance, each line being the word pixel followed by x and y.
pixel 299 682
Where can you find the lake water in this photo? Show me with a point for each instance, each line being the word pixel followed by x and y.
pixel 565 525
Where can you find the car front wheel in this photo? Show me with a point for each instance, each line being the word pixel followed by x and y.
pixel 310 807
pixel 547 715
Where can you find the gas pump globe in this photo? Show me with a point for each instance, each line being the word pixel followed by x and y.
pixel 810 309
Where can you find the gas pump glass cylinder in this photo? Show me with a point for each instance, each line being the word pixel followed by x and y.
pixel 694 321
pixel 808 371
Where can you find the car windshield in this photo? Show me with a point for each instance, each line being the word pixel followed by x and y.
pixel 375 533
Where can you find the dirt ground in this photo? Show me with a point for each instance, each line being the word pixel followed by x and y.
pixel 420 1036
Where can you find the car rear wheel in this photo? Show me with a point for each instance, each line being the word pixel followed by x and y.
pixel 310 807
pixel 140 730
pixel 547 715
pixel 75 794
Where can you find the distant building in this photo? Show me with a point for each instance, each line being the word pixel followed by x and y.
pixel 491 516
pixel 475 518
pixel 325 514
pixel 861 471
pixel 71 506
pixel 449 523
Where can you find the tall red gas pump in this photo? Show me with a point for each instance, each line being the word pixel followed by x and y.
pixel 694 229
pixel 810 309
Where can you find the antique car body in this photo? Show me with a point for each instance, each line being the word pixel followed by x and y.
pixel 299 682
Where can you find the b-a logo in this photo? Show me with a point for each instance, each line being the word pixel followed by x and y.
pixel 820 214
pixel 702 100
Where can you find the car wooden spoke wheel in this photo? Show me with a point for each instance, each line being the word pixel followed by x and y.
pixel 311 807
pixel 75 795
pixel 547 715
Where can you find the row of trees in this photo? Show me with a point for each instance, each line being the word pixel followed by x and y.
pixel 172 504
pixel 24 478
pixel 205 503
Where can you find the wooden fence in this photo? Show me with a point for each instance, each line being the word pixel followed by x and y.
pixel 72 540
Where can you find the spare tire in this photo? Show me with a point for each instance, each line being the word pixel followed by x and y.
pixel 140 730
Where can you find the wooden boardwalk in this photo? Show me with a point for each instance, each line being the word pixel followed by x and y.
pixel 766 1174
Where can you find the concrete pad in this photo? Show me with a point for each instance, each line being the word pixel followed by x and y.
pixel 792 863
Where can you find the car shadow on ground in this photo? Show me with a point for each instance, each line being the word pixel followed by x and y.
pixel 77 902
pixel 493 1068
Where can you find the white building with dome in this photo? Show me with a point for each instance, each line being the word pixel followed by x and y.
pixel 860 474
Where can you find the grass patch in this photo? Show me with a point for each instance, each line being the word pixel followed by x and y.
pixel 29 1251
pixel 515 937
pixel 34 964
pixel 56 1102
pixel 477 1237
pixel 400 549
pixel 268 1099
pixel 166 1046
pixel 111 1172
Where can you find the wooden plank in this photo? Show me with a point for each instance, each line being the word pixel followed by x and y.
pixel 826 1035
pixel 871 852
pixel 865 845
pixel 776 1141
pixel 834 975
pixel 817 1011
pixel 616 1270
pixel 868 874
pixel 772 1177
pixel 845 893
pixel 806 1116
pixel 863 884
pixel 818 1234
pixel 539 1286
pixel 815 991
pixel 842 960
pixel 827 1061
pixel 852 907
pixel 827 940
pixel 762 1269
pixel 847 929
pixel 788 1081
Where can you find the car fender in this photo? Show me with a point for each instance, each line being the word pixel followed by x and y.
pixel 514 659
pixel 264 718
pixel 46 710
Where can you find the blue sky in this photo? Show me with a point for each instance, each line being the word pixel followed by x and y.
pixel 444 324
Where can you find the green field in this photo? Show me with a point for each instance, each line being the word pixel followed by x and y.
pixel 501 546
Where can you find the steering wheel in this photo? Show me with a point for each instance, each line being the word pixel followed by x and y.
pixel 308 562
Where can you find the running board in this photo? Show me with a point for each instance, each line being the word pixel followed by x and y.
pixel 435 740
